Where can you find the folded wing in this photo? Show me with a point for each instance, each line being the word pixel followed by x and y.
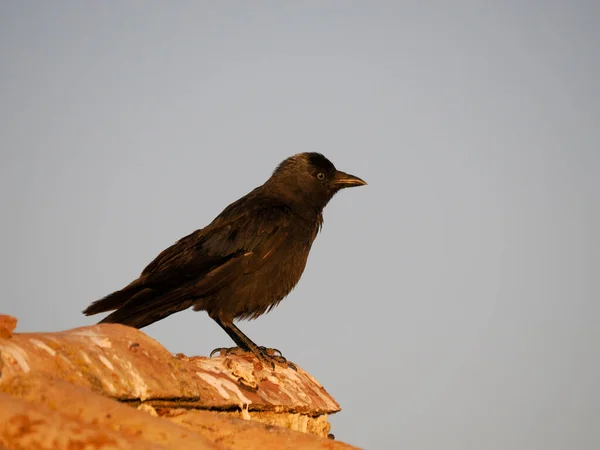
pixel 239 241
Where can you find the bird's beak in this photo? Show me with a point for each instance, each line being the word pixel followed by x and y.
pixel 344 180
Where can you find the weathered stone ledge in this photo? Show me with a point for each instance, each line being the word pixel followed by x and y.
pixel 69 380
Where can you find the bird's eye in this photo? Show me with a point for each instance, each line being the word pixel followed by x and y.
pixel 320 176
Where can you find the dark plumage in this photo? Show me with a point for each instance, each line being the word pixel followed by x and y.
pixel 243 263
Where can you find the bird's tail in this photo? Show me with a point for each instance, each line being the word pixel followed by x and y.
pixel 149 306
pixel 115 300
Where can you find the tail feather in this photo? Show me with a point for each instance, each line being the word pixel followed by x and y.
pixel 115 300
pixel 149 306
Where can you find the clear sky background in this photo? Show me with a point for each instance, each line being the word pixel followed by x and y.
pixel 453 303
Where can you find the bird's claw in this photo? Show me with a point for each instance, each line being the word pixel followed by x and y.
pixel 219 350
pixel 271 351
pixel 273 357
pixel 227 351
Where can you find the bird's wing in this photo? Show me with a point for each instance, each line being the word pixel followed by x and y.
pixel 239 241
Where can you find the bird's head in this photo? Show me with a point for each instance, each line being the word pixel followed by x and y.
pixel 310 179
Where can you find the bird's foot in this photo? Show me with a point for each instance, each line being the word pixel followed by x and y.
pixel 269 356
pixel 273 357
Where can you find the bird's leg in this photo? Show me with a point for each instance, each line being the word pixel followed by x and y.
pixel 267 355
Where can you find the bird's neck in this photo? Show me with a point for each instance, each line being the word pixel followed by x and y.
pixel 311 213
pixel 298 201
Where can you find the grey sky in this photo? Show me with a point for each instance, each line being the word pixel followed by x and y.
pixel 452 303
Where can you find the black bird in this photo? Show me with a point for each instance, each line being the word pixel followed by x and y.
pixel 243 263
